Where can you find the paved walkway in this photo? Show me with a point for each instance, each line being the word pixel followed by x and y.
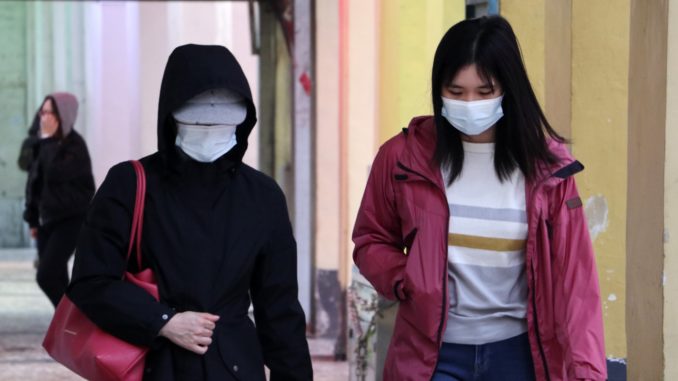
pixel 25 314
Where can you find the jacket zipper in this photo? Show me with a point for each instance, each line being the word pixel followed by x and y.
pixel 443 312
pixel 536 326
pixel 534 295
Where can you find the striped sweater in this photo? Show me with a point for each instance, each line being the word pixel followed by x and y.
pixel 486 252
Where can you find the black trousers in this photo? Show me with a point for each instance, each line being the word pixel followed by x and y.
pixel 56 244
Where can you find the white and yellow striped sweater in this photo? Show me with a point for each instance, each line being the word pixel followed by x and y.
pixel 486 252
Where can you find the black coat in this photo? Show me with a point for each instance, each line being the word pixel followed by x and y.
pixel 217 235
pixel 27 152
pixel 60 182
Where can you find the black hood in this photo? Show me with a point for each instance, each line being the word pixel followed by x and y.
pixel 191 70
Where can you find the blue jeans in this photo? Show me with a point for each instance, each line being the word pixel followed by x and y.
pixel 506 360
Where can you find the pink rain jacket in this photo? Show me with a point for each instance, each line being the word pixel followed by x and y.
pixel 401 247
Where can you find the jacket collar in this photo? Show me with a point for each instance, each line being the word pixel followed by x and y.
pixel 420 146
pixel 417 156
pixel 182 163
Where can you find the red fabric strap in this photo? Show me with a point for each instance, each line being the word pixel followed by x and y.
pixel 138 216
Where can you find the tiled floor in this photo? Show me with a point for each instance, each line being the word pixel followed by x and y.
pixel 25 313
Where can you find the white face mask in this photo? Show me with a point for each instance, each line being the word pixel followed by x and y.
pixel 205 143
pixel 475 117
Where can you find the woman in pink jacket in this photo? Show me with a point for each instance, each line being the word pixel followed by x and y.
pixel 471 218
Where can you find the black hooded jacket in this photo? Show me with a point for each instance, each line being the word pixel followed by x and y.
pixel 28 151
pixel 60 182
pixel 217 236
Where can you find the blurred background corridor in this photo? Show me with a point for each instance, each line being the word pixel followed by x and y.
pixel 333 80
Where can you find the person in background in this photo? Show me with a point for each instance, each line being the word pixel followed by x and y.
pixel 59 188
pixel 472 219
pixel 27 154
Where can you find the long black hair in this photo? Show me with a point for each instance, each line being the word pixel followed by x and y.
pixel 521 135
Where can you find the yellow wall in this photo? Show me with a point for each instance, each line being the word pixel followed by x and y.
pixel 598 97
pixel 671 203
pixel 527 19
pixel 409 34
pixel 600 59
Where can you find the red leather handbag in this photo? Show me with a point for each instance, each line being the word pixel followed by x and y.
pixel 74 341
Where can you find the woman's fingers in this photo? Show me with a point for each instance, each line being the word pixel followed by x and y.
pixel 208 324
pixel 204 333
pixel 210 317
pixel 191 330
pixel 197 349
pixel 204 341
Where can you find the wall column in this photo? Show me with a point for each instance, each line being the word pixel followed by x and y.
pixel 558 65
pixel 670 279
pixel 645 229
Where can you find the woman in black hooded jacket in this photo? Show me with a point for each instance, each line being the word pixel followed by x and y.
pixel 58 191
pixel 217 236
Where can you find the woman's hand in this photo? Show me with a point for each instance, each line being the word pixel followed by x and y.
pixel 191 330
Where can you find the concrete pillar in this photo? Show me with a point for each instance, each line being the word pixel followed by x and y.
pixel 600 138
pixel 304 150
pixel 670 278
pixel 647 113
pixel 113 85
pixel 330 290
pixel 358 118
pixel 14 119
pixel 558 65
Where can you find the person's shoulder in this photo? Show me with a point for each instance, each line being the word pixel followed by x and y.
pixel 263 187
pixel 259 178
pixel 392 147
pixel 153 162
pixel 560 150
pixel 396 142
pixel 71 142
pixel 125 169
pixel 75 139
pixel 122 171
pixel 419 126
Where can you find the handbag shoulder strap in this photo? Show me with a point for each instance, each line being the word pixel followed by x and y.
pixel 138 216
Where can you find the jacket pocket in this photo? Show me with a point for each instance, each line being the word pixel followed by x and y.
pixel 240 351
pixel 423 278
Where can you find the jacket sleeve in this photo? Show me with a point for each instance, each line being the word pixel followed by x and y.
pixel 579 322
pixel 379 248
pixel 31 211
pixel 97 288
pixel 280 320
pixel 70 176
pixel 27 153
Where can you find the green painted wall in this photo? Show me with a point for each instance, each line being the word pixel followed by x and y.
pixel 13 120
